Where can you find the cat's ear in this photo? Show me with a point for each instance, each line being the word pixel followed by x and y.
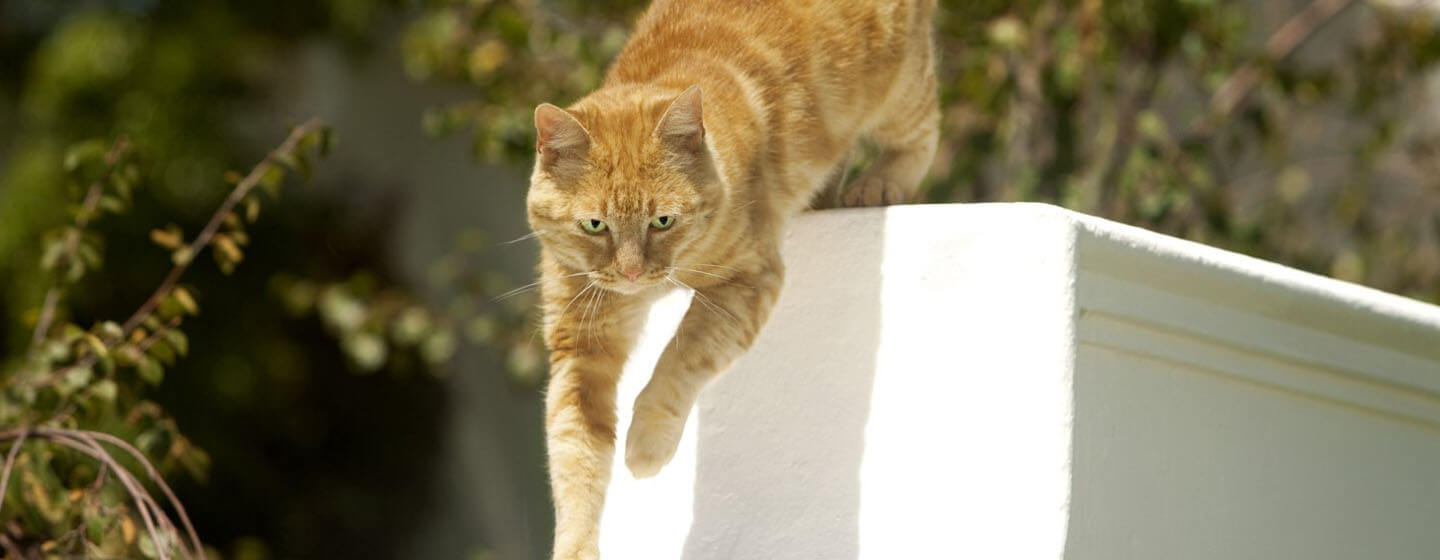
pixel 558 135
pixel 683 126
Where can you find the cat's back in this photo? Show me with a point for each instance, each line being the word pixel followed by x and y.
pixel 830 41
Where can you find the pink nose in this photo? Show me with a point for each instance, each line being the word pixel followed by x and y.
pixel 631 273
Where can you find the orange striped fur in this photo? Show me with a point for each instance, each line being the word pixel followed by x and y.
pixel 719 121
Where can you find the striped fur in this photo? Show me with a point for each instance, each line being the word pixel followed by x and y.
pixel 729 116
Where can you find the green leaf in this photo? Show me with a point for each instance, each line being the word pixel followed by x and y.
pixel 105 390
pixel 110 330
pixel 150 370
pixel 85 156
pixel 438 347
pixel 111 204
pixel 271 180
pixel 182 256
pixel 51 253
pixel 74 380
pixel 411 325
pixel 97 346
pixel 162 351
pixel 367 351
pixel 185 300
pixel 178 341
pixel 252 209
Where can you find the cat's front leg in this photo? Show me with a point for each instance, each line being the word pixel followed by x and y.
pixel 722 322
pixel 589 334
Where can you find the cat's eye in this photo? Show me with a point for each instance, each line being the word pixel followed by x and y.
pixel 662 222
pixel 592 225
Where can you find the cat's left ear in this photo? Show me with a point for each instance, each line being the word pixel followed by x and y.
pixel 683 126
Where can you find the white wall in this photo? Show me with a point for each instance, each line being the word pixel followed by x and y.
pixel 1017 381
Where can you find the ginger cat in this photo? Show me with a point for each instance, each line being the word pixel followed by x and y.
pixel 719 121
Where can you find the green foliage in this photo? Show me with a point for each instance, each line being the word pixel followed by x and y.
pixel 1197 118
pixel 79 385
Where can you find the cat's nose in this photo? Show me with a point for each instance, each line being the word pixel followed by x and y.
pixel 631 272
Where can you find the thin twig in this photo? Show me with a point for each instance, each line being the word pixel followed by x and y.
pixel 167 285
pixel 159 481
pixel 1281 45
pixel 136 493
pixel 203 240
pixel 10 463
pixel 82 218
pixel 88 442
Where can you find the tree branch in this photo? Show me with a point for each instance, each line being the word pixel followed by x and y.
pixel 203 240
pixel 82 219
pixel 88 442
pixel 10 463
pixel 1281 45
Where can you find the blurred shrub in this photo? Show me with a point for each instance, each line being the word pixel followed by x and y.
pixel 1219 121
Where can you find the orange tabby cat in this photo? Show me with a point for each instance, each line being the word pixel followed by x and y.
pixel 719 121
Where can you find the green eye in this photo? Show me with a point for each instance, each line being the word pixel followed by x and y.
pixel 592 225
pixel 662 222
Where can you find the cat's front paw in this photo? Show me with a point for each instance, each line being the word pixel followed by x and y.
pixel 570 547
pixel 874 189
pixel 650 445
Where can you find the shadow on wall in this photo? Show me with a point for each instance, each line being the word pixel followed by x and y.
pixel 799 399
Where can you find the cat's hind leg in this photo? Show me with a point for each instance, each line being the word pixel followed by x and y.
pixel 723 320
pixel 907 137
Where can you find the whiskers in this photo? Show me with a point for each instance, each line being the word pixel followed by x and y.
pixel 704 300
pixel 722 278
pixel 536 284
pixel 528 236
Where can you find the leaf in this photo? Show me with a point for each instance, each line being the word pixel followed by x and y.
pixel 185 300
pixel 367 351
pixel 89 254
pixel 150 370
pixel 110 330
pixel 341 311
pixel 51 253
pixel 162 351
pixel 85 156
pixel 252 209
pixel 75 379
pixel 111 204
pixel 182 256
pixel 169 238
pixel 226 250
pixel 438 347
pixel 105 389
pixel 97 346
pixel 411 325
pixel 178 341
pixel 271 180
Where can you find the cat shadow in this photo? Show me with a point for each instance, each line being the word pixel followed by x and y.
pixel 781 436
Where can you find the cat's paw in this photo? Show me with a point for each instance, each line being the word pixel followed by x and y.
pixel 876 190
pixel 582 553
pixel 650 446
pixel 575 545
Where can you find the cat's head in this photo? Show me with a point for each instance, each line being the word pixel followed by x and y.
pixel 624 182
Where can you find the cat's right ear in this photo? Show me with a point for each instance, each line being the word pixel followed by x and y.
pixel 559 137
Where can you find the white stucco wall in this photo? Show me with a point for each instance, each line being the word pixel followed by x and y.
pixel 1018 381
